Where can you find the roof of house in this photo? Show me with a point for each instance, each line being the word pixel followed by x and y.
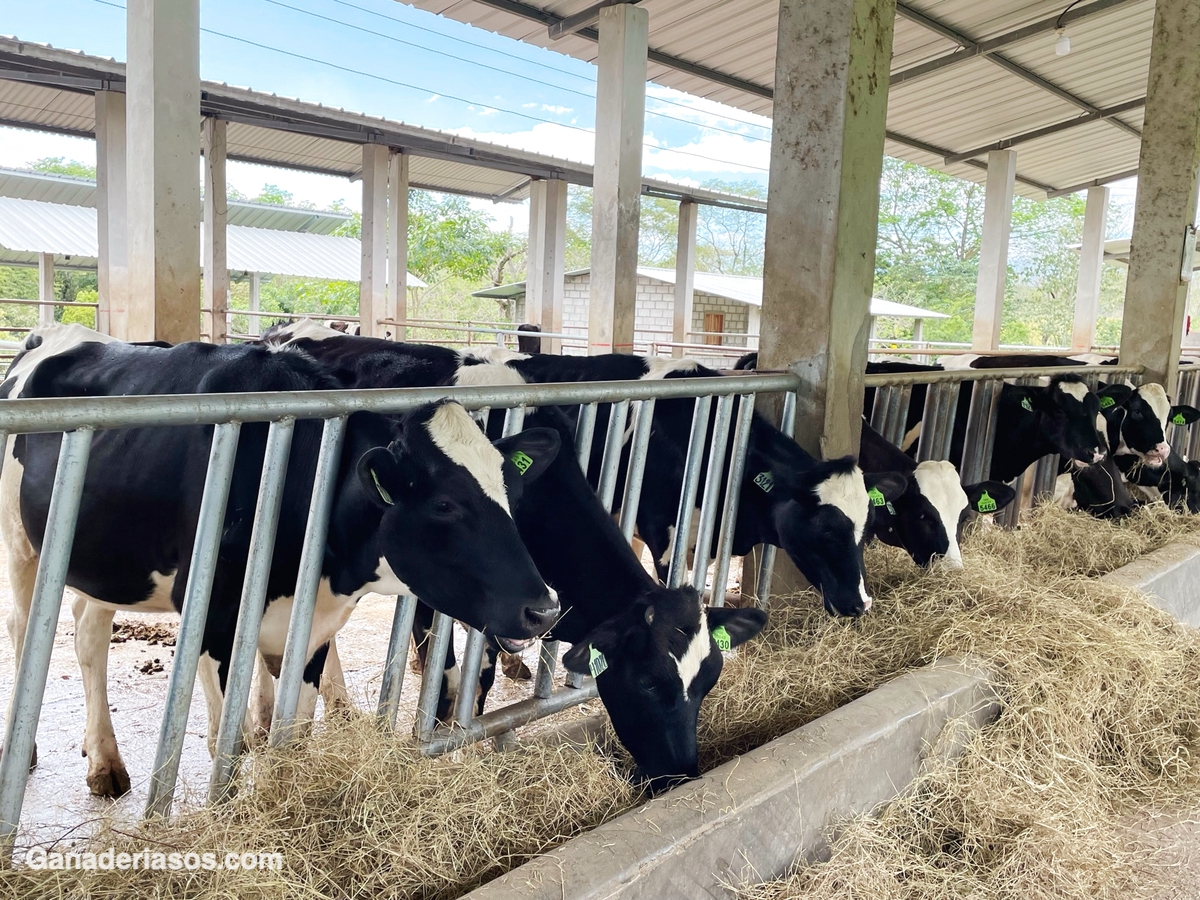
pixel 738 288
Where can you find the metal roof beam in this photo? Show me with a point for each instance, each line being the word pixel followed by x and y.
pixel 586 18
pixel 985 48
pixel 934 150
pixel 1025 137
pixel 1097 182
pixel 999 59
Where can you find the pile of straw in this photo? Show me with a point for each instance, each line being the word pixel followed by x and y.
pixel 1101 702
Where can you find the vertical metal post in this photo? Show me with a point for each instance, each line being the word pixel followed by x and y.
pixel 879 408
pixel 677 572
pixel 397 659
pixel 766 567
pixel 312 556
pixel 614 440
pixel 250 610
pixel 585 430
pixel 543 687
pixel 712 490
pixel 29 686
pixel 439 639
pixel 205 548
pixel 937 431
pixel 636 470
pixel 464 705
pixel 733 496
pixel 981 432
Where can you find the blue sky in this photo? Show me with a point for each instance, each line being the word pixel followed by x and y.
pixel 385 58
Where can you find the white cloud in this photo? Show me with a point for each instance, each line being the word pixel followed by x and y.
pixel 433 98
pixel 18 147
pixel 545 137
pixel 557 110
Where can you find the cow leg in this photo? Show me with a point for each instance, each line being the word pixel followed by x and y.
pixel 107 776
pixel 333 682
pixel 262 702
pixel 422 625
pixel 306 705
pixel 210 680
pixel 22 562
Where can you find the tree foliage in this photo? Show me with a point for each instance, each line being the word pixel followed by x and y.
pixel 59 165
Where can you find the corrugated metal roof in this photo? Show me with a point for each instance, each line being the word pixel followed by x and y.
pixel 746 289
pixel 32 227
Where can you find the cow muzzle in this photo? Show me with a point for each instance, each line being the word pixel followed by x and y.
pixel 1156 457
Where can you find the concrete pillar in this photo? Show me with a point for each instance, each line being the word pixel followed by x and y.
pixel 831 78
pixel 46 288
pixel 685 274
pixel 617 182
pixel 1164 216
pixel 112 225
pixel 1091 266
pixel 546 268
pixel 397 282
pixel 163 118
pixel 993 249
pixel 216 210
pixel 918 337
pixel 255 323
pixel 372 286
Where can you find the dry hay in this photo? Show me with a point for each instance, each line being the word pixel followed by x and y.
pixel 1101 693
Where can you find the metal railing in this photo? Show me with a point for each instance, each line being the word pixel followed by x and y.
pixel 79 418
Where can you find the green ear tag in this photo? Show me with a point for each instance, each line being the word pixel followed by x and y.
pixel 1106 402
pixel 597 664
pixel 387 498
pixel 765 481
pixel 721 636
pixel 985 504
pixel 1026 404
pixel 877 498
pixel 522 461
pixel 1179 419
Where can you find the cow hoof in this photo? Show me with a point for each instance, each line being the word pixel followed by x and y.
pixel 514 667
pixel 109 781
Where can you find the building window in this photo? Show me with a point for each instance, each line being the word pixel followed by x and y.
pixel 714 327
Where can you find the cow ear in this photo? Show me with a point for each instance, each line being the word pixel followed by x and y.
pixel 885 487
pixel 731 627
pixel 989 496
pixel 595 652
pixel 1183 415
pixel 528 454
pixel 381 477
pixel 1114 395
pixel 1026 397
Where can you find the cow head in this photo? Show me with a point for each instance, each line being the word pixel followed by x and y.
pixel 445 529
pixel 927 520
pixel 1068 417
pixel 1185 487
pixel 819 515
pixel 1139 418
pixel 654 663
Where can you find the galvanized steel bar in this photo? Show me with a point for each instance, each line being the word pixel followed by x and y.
pixel 677 572
pixel 312 556
pixel 585 431
pixel 397 659
pixel 879 409
pixel 981 432
pixel 205 549
pixel 893 428
pixel 766 567
pixel 29 686
pixel 1045 475
pixel 439 639
pixel 733 496
pixel 543 687
pixel 464 704
pixel 932 419
pixel 514 420
pixel 712 489
pixel 504 720
pixel 636 469
pixel 954 376
pixel 614 440
pixel 250 610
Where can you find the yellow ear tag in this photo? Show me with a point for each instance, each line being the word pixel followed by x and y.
pixel 597 664
pixel 522 461
pixel 985 504
pixel 721 636
pixel 387 498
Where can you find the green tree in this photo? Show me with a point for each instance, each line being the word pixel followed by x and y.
pixel 59 165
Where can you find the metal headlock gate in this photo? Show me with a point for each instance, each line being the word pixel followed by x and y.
pixel 632 409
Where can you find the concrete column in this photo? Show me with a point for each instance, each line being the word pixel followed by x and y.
pixel 546 260
pixel 1156 292
pixel 617 183
pixel 216 210
pixel 993 249
pixel 112 226
pixel 397 283
pixel 255 323
pixel 372 286
pixel 1091 266
pixel 685 274
pixel 831 78
pixel 45 288
pixel 535 251
pixel 163 118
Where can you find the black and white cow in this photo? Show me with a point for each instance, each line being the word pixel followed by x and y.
pixel 926 520
pixel 1138 420
pixel 420 507
pixel 817 511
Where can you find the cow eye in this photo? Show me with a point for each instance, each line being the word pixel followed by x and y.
pixel 443 507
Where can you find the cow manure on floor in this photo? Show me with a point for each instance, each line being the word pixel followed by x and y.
pixel 1101 698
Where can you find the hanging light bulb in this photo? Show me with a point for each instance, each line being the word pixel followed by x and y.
pixel 1062 46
